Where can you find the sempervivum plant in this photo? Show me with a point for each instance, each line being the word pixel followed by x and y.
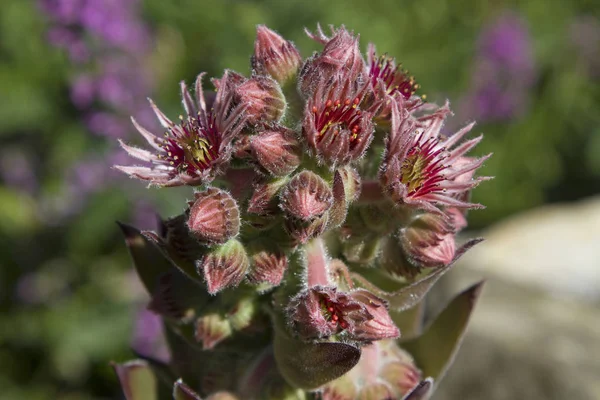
pixel 326 205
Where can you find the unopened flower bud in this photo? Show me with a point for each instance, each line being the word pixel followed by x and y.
pixel 242 313
pixel 214 216
pixel 276 150
pixel 352 181
pixel 402 376
pixel 302 231
pixel 225 266
pixel 212 329
pixel 380 325
pixel 393 259
pixel 306 197
pixel 268 268
pixel 376 391
pixel 264 199
pixel 274 55
pixel 263 99
pixel 429 240
pixel 341 55
pixel 343 388
pixel 361 250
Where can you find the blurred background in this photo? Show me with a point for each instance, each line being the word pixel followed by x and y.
pixel 73 71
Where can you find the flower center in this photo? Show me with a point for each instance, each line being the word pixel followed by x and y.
pixel 339 116
pixel 421 171
pixel 333 313
pixel 192 145
pixel 395 79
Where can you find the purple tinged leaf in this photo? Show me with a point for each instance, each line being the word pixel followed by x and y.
pixel 434 351
pixel 411 295
pixel 421 391
pixel 311 365
pixel 148 260
pixel 173 294
pixel 161 370
pixel 181 391
pixel 137 380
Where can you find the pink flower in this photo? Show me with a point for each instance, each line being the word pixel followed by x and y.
pixel 424 169
pixel 196 149
pixel 323 311
pixel 335 127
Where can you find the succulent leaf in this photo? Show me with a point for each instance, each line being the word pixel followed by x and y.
pixel 137 380
pixel 436 348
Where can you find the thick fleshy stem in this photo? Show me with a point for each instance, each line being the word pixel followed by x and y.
pixel 317 271
pixel 371 192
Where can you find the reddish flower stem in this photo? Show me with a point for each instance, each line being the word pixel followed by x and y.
pixel 371 192
pixel 317 271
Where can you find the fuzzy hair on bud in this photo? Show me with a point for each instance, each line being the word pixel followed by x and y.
pixel 275 56
pixel 214 216
pixel 225 266
pixel 276 150
pixel 268 268
pixel 306 196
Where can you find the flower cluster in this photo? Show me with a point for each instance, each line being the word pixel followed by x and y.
pixel 317 182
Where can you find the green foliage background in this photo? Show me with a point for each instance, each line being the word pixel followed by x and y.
pixel 59 347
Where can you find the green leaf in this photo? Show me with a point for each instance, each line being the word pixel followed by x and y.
pixel 181 391
pixel 410 322
pixel 137 380
pixel 436 348
pixel 311 365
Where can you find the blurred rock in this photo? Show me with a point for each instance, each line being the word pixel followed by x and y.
pixel 553 248
pixel 535 333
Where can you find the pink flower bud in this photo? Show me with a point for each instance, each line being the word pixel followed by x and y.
pixel 376 391
pixel 429 240
pixel 264 199
pixel 274 55
pixel 352 183
pixel 341 55
pixel 225 266
pixel 276 150
pixel 343 388
pixel 214 216
pixel 302 231
pixel 380 325
pixel 212 329
pixel 306 196
pixel 262 98
pixel 268 268
pixel 401 375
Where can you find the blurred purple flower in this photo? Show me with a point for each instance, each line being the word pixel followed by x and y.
pixel 148 338
pixel 16 170
pixel 503 72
